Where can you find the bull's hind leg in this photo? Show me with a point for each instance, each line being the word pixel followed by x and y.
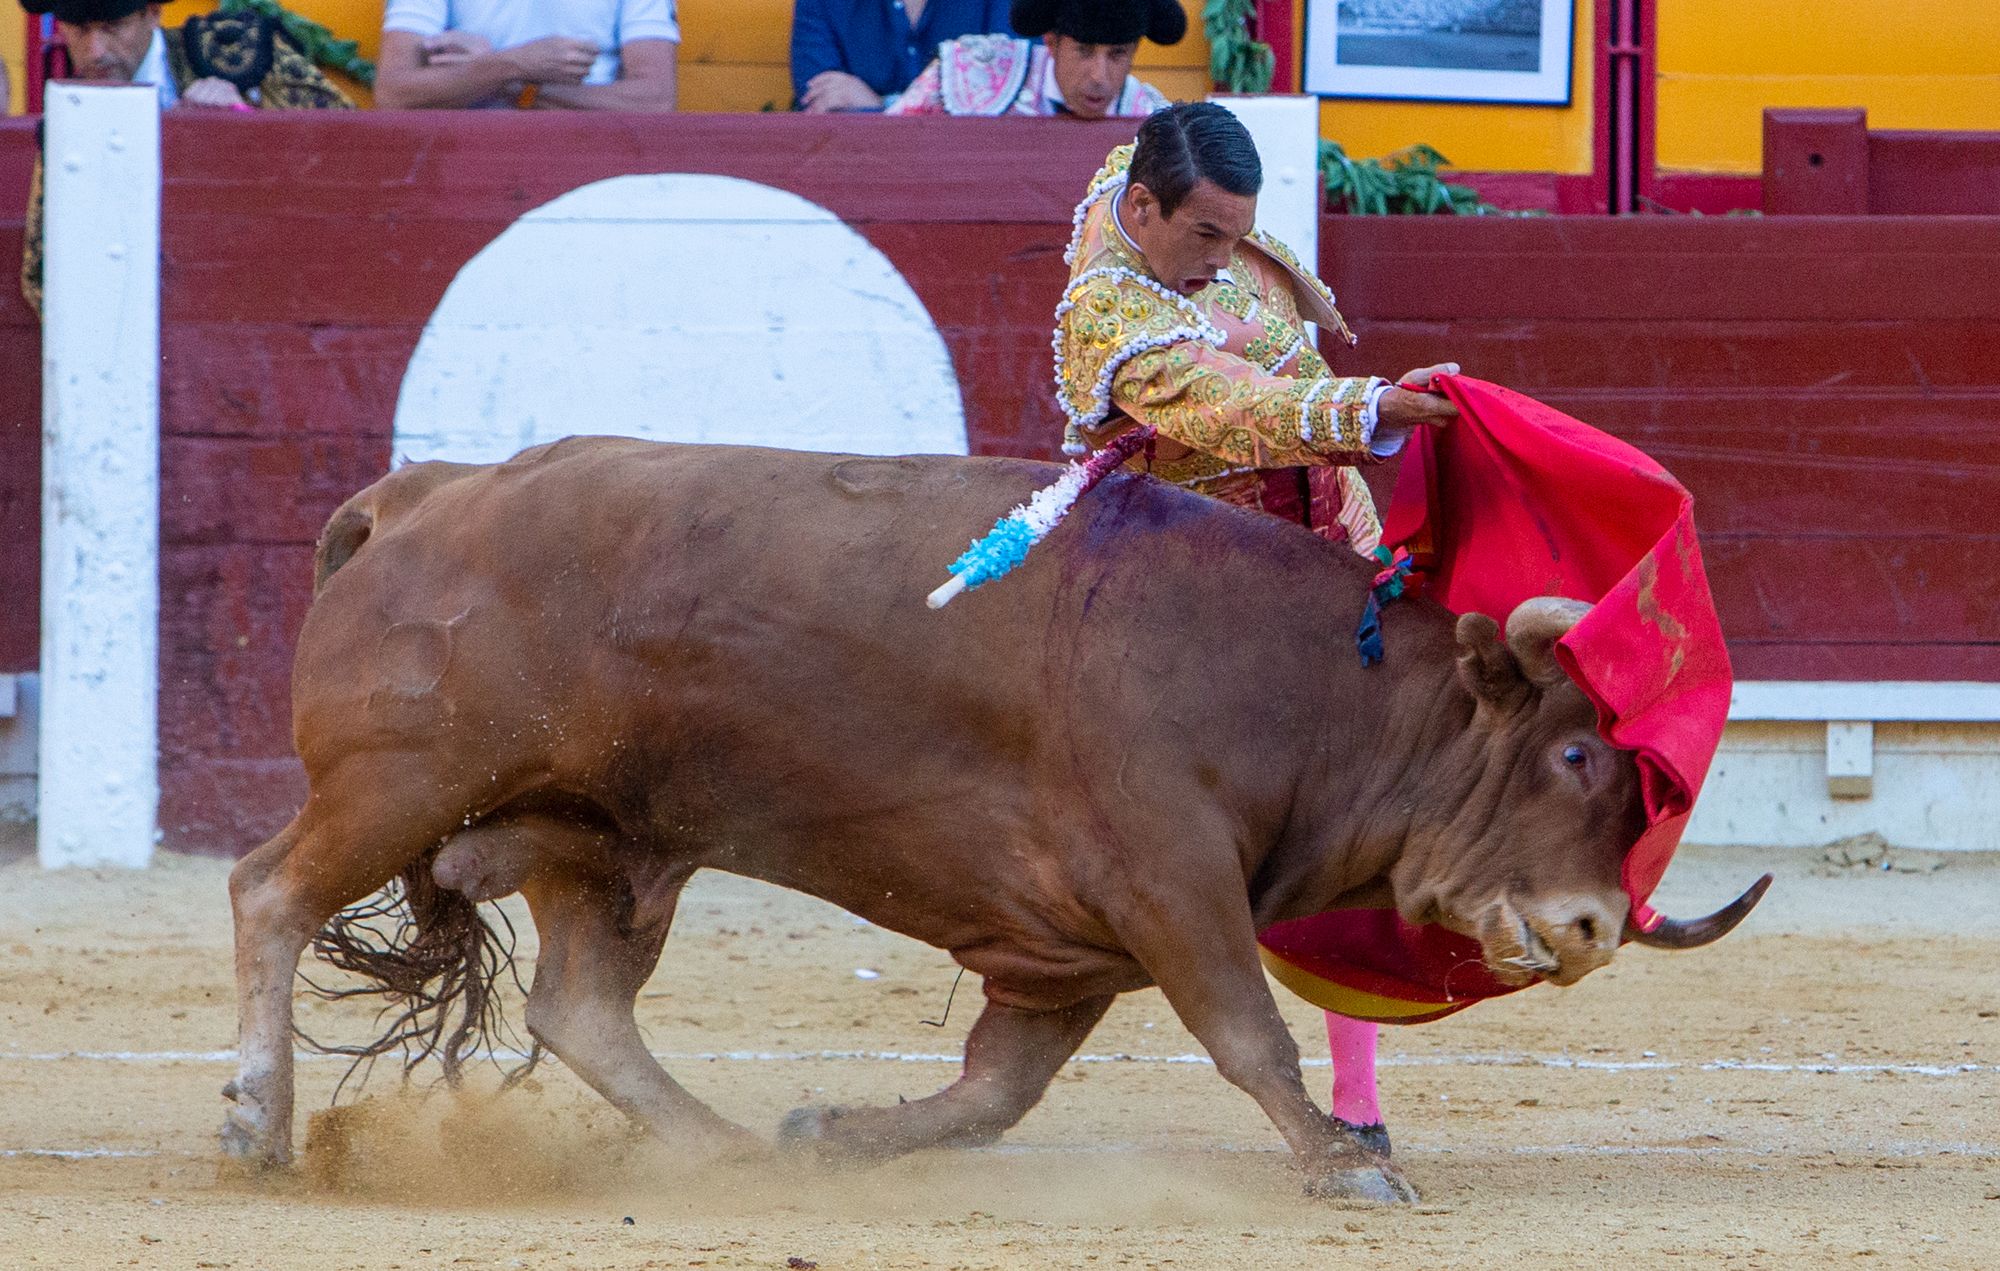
pixel 1011 1056
pixel 370 817
pixel 592 964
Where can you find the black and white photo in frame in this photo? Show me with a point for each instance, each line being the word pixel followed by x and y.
pixel 1442 50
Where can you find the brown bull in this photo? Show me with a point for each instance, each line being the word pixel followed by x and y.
pixel 589 672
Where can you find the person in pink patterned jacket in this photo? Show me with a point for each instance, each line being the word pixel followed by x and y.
pixel 1081 66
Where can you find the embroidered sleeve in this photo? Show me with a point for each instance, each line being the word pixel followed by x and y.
pixel 924 96
pixel 296 84
pixel 1229 407
pixel 1108 316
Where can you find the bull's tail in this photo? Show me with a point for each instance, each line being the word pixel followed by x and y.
pixel 435 962
pixel 345 532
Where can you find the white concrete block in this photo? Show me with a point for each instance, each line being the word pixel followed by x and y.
pixel 19 740
pixel 1935 786
pixel 98 769
pixel 1850 759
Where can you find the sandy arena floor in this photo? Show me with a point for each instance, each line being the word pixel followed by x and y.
pixel 1821 1090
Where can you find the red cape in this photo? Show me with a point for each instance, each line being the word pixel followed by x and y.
pixel 1518 500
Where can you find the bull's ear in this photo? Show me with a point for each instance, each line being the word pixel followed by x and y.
pixel 1485 666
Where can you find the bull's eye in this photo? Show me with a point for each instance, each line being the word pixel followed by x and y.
pixel 1574 756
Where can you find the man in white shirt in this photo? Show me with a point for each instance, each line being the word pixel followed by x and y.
pixel 565 54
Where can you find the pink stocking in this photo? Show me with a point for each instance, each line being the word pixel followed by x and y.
pixel 1352 1043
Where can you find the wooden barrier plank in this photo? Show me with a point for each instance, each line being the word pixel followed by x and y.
pixel 1847 269
pixel 230 378
pixel 20 416
pixel 229 616
pixel 263 490
pixel 1892 589
pixel 382 168
pixel 1823 660
pixel 1933 173
pixel 226 806
pixel 1773 357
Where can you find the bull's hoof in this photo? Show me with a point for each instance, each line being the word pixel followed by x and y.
pixel 1381 1184
pixel 850 1136
pixel 808 1129
pixel 249 1152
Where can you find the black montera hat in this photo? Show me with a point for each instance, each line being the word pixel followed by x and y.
pixel 1102 21
pixel 78 12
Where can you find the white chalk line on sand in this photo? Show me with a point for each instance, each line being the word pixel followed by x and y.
pixel 1820 1068
pixel 1896 1151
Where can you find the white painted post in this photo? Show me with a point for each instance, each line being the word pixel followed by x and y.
pixel 1286 130
pixel 99 770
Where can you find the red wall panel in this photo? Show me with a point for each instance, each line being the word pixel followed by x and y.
pixel 1828 388
pixel 20 417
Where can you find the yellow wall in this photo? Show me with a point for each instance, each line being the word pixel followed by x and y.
pixel 1912 63
pixel 1480 138
pixel 13 54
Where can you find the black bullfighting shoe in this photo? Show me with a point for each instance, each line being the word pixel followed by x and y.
pixel 1373 1137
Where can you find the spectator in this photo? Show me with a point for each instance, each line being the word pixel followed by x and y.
pixel 235 62
pixel 1082 67
pixel 859 54
pixel 244 61
pixel 563 54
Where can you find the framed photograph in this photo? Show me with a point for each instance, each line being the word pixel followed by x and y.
pixel 1441 50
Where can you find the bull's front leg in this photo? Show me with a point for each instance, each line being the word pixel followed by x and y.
pixel 1199 943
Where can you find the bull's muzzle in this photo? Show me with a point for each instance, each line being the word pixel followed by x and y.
pixel 1560 942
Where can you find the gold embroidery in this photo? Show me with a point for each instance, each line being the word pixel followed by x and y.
pixel 1274 347
pixel 1231 299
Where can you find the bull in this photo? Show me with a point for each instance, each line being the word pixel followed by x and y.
pixel 592 670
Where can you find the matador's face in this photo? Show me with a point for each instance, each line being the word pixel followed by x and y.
pixel 1187 249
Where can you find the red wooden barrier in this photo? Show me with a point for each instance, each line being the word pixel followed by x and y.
pixel 20 417
pixel 1828 388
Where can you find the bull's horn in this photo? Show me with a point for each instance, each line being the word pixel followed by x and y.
pixel 1533 629
pixel 1674 934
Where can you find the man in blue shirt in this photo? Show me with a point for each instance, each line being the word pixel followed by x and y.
pixel 855 54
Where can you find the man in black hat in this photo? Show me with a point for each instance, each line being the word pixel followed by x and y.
pixel 1082 66
pixel 238 61
pixel 241 60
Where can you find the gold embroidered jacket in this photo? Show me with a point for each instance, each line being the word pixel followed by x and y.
pixel 1225 376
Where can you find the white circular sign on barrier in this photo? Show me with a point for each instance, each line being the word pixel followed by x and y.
pixel 679 308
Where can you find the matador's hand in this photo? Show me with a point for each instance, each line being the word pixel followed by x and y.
pixel 1414 402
